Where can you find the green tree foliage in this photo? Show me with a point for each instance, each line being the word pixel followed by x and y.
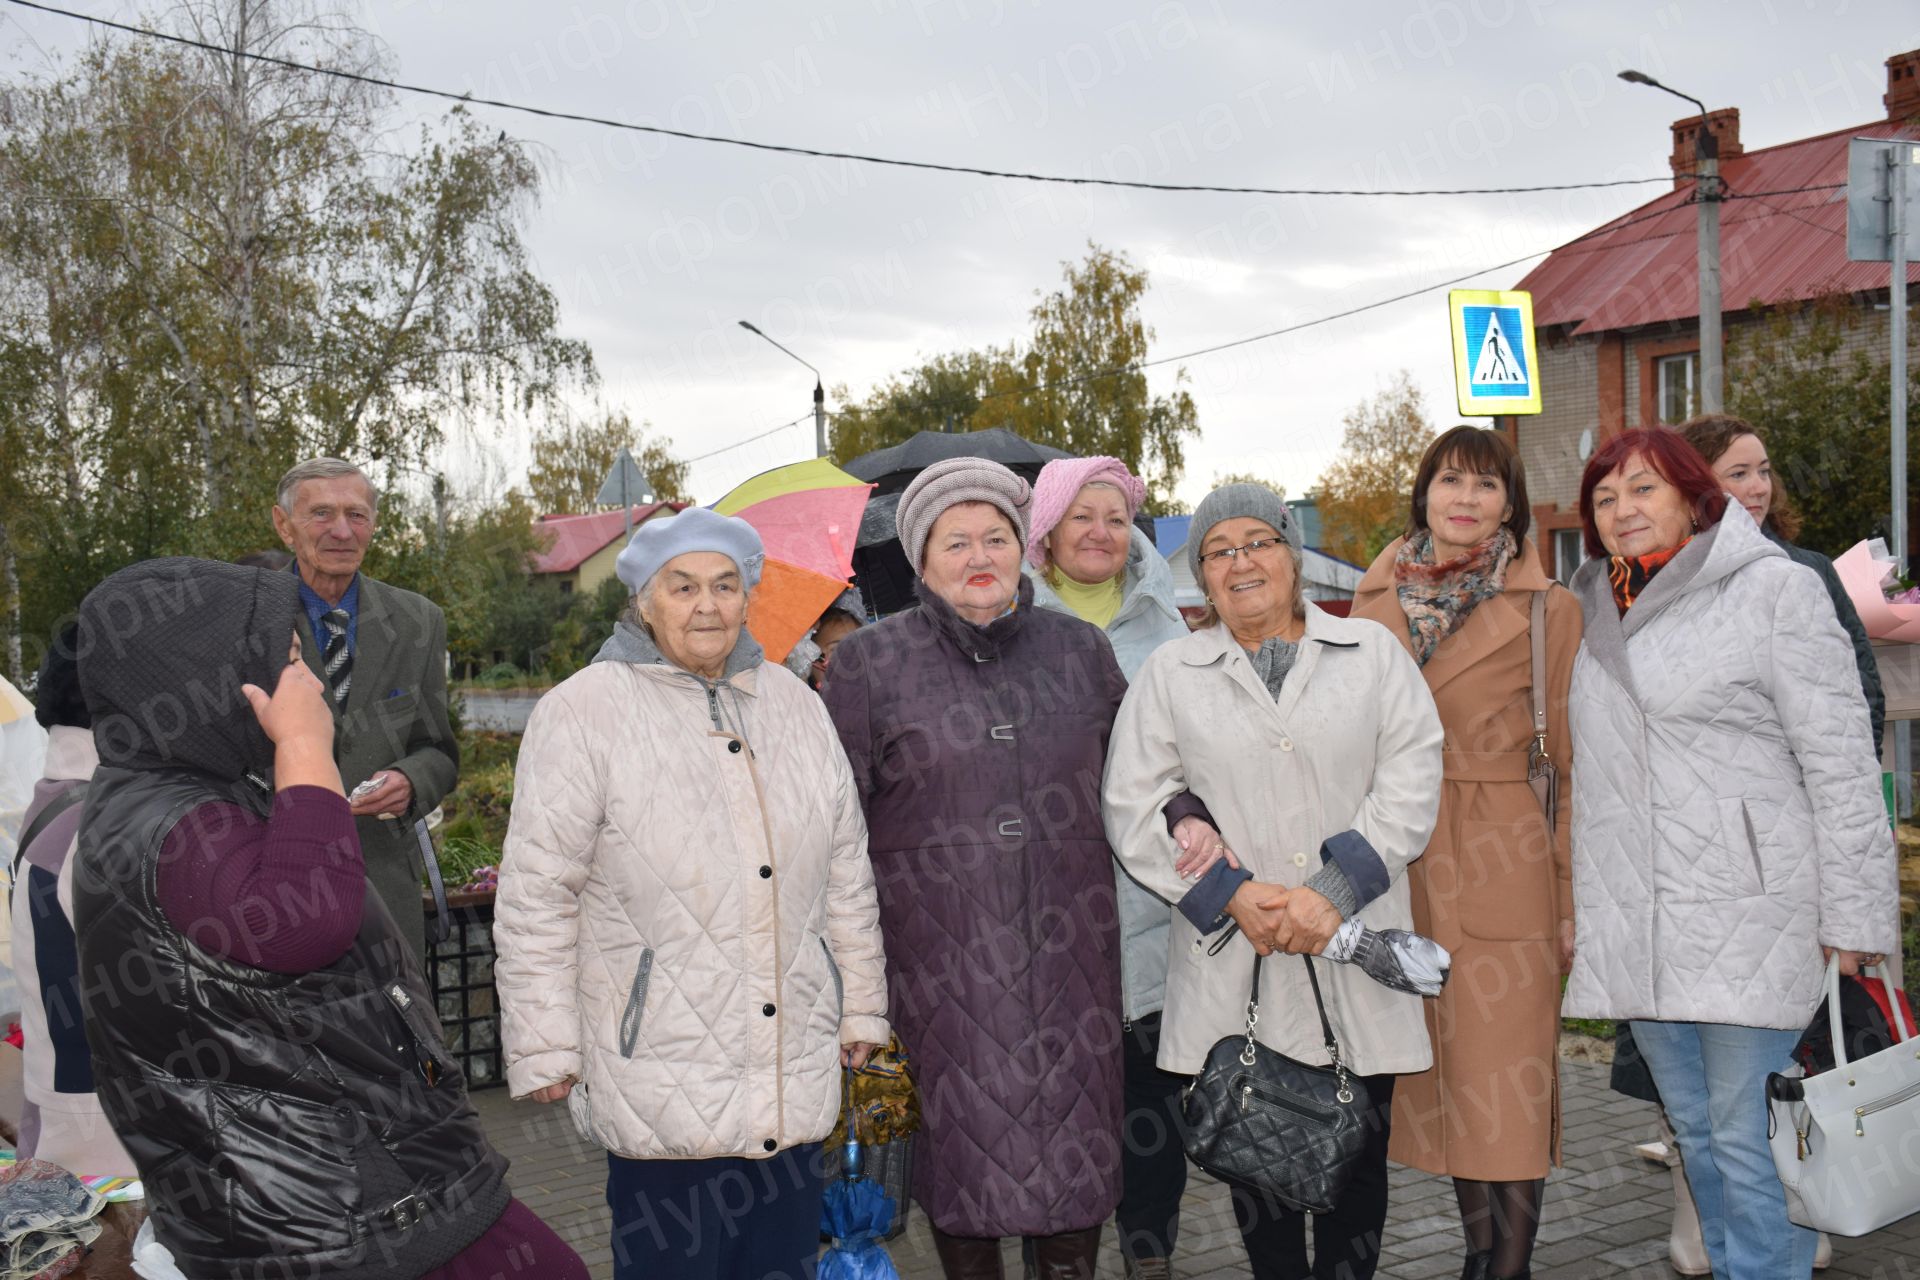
pixel 1815 380
pixel 942 394
pixel 572 457
pixel 218 266
pixel 1363 495
pixel 1044 388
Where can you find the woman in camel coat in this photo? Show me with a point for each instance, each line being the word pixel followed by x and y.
pixel 1494 886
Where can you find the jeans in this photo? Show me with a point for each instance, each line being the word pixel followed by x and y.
pixel 1346 1242
pixel 1712 1079
pixel 1153 1154
pixel 724 1218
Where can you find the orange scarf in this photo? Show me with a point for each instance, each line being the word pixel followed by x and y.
pixel 1629 575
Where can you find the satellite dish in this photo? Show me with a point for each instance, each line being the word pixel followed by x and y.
pixel 1586 444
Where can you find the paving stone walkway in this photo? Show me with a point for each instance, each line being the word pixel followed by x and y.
pixel 1607 1210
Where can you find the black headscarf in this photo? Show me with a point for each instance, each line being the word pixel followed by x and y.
pixel 164 648
pixel 57 699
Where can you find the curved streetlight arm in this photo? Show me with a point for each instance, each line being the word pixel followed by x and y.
pixel 1708 146
pixel 750 328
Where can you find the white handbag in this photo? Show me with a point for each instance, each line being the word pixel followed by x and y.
pixel 1846 1142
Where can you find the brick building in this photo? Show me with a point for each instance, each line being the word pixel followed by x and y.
pixel 1616 312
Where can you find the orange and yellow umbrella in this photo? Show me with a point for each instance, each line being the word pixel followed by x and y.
pixel 808 517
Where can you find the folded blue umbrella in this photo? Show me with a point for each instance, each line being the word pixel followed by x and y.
pixel 854 1214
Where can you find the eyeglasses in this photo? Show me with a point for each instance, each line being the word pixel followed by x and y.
pixel 1233 553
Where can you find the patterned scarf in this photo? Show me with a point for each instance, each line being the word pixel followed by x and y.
pixel 1438 597
pixel 1629 575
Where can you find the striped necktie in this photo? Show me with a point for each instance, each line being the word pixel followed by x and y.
pixel 336 659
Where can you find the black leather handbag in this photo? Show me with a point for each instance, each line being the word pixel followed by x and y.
pixel 1293 1131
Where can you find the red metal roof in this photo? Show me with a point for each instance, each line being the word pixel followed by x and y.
pixel 571 539
pixel 1773 248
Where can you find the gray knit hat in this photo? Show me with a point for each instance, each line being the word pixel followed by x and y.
pixel 695 529
pixel 1233 501
pixel 957 480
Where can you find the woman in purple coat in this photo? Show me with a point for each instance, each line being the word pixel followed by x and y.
pixel 977 726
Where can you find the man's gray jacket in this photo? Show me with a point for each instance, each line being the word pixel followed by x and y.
pixel 395 718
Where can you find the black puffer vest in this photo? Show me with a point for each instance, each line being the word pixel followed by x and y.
pixel 286 1126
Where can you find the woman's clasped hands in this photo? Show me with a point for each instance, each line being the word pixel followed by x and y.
pixel 1276 918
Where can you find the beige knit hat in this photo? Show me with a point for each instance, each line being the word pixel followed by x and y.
pixel 957 480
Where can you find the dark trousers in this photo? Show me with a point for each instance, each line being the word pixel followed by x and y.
pixel 725 1218
pixel 1153 1155
pixel 1346 1242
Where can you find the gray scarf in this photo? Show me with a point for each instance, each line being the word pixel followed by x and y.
pixel 631 643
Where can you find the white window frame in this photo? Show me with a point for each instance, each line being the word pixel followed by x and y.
pixel 1569 553
pixel 1664 367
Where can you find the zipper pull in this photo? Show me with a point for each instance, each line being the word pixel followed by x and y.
pixel 1859 1125
pixel 1800 1143
pixel 1246 1093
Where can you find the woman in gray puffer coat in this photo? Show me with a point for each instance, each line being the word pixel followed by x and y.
pixel 1728 834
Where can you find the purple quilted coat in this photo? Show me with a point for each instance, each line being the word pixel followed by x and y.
pixel 978 752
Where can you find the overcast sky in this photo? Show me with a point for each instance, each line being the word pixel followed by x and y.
pixel 657 246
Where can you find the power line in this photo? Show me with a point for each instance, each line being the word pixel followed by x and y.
pixel 1326 319
pixel 1789 191
pixel 814 152
pixel 750 439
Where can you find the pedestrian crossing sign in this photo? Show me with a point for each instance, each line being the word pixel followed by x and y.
pixel 1496 366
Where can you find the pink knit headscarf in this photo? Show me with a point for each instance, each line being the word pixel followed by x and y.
pixel 1060 483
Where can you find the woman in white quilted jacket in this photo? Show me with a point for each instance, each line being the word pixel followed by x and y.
pixel 689 941
pixel 1728 830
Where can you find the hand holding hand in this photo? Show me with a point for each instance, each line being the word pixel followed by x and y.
pixel 1304 922
pixel 1200 847
pixel 1253 908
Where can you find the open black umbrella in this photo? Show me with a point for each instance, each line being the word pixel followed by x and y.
pixel 879 565
pixel 892 469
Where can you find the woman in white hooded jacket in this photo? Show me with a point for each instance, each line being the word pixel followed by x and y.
pixel 1728 831
pixel 689 941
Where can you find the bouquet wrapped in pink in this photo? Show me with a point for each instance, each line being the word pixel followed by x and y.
pixel 1867 572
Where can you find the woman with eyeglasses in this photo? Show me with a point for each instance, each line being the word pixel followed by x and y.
pixel 1316 745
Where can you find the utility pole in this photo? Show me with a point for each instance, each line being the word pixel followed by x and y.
pixel 1707 196
pixel 1896 162
pixel 819 419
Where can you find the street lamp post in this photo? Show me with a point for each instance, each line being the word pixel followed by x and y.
pixel 819 397
pixel 1707 197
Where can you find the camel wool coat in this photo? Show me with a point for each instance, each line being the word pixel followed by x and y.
pixel 1492 887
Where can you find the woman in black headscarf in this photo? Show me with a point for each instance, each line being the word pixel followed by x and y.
pixel 262 1040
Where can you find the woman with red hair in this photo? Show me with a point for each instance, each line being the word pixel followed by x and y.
pixel 1728 832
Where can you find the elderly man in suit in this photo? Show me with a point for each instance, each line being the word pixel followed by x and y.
pixel 383 653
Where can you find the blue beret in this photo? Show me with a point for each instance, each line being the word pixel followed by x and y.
pixel 695 529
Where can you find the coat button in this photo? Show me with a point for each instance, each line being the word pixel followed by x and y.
pixel 767 1009
pixel 1286 744
pixel 766 873
pixel 1299 859
pixel 734 746
pixel 770 1145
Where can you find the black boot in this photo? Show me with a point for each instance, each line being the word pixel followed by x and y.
pixel 1479 1266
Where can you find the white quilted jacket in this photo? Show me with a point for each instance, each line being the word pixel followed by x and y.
pixel 1727 816
pixel 686 920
